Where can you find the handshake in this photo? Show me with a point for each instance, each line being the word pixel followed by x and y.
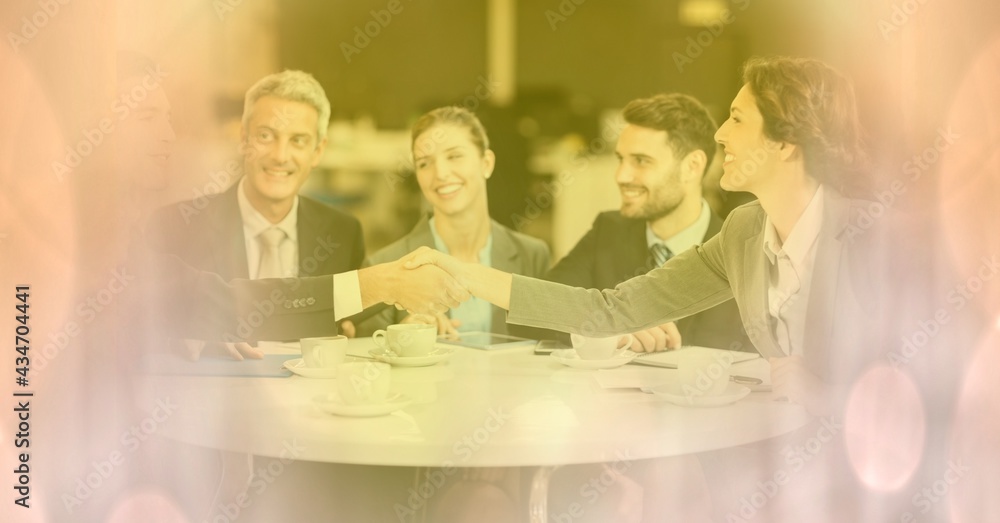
pixel 425 281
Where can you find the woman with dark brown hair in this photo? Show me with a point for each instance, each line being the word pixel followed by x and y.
pixel 805 263
pixel 807 266
pixel 799 261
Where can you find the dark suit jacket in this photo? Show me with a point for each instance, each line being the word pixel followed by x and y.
pixel 330 241
pixel 614 250
pixel 172 299
pixel 202 249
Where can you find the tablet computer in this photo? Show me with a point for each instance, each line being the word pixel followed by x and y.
pixel 487 340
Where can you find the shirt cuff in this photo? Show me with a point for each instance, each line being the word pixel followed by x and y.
pixel 346 295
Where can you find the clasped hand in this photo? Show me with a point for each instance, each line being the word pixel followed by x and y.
pixel 421 283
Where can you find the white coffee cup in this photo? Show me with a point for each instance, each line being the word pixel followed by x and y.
pixel 363 382
pixel 407 339
pixel 323 353
pixel 589 348
pixel 703 374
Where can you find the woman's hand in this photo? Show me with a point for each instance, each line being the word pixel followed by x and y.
pixel 656 339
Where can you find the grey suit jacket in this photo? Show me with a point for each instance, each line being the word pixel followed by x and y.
pixel 512 252
pixel 846 302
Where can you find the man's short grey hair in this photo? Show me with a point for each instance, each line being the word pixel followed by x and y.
pixel 298 86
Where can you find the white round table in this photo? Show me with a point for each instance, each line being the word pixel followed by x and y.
pixel 479 409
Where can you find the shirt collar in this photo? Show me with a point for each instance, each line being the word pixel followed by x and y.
pixel 803 234
pixel 688 237
pixel 255 223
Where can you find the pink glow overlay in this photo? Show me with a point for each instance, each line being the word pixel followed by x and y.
pixel 885 427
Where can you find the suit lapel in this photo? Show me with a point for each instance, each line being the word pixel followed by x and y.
pixel 828 282
pixel 231 257
pixel 505 254
pixel 634 257
pixel 310 230
pixel 420 236
pixel 753 305
pixel 505 257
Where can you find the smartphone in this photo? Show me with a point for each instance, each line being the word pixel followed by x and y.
pixel 545 347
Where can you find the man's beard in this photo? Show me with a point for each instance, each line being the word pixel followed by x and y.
pixel 653 210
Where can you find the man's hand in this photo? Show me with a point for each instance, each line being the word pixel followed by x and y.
pixel 790 378
pixel 195 349
pixel 348 329
pixel 425 289
pixel 656 339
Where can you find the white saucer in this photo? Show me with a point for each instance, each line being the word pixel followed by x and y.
pixel 298 366
pixel 675 394
pixel 570 358
pixel 438 355
pixel 331 404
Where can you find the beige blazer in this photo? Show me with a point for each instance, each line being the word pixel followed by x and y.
pixel 841 325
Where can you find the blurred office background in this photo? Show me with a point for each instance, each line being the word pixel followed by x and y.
pixel 547 77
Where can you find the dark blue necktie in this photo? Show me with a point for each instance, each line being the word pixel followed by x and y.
pixel 661 253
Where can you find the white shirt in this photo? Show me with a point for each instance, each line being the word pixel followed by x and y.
pixel 347 295
pixel 690 236
pixel 255 223
pixel 790 267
